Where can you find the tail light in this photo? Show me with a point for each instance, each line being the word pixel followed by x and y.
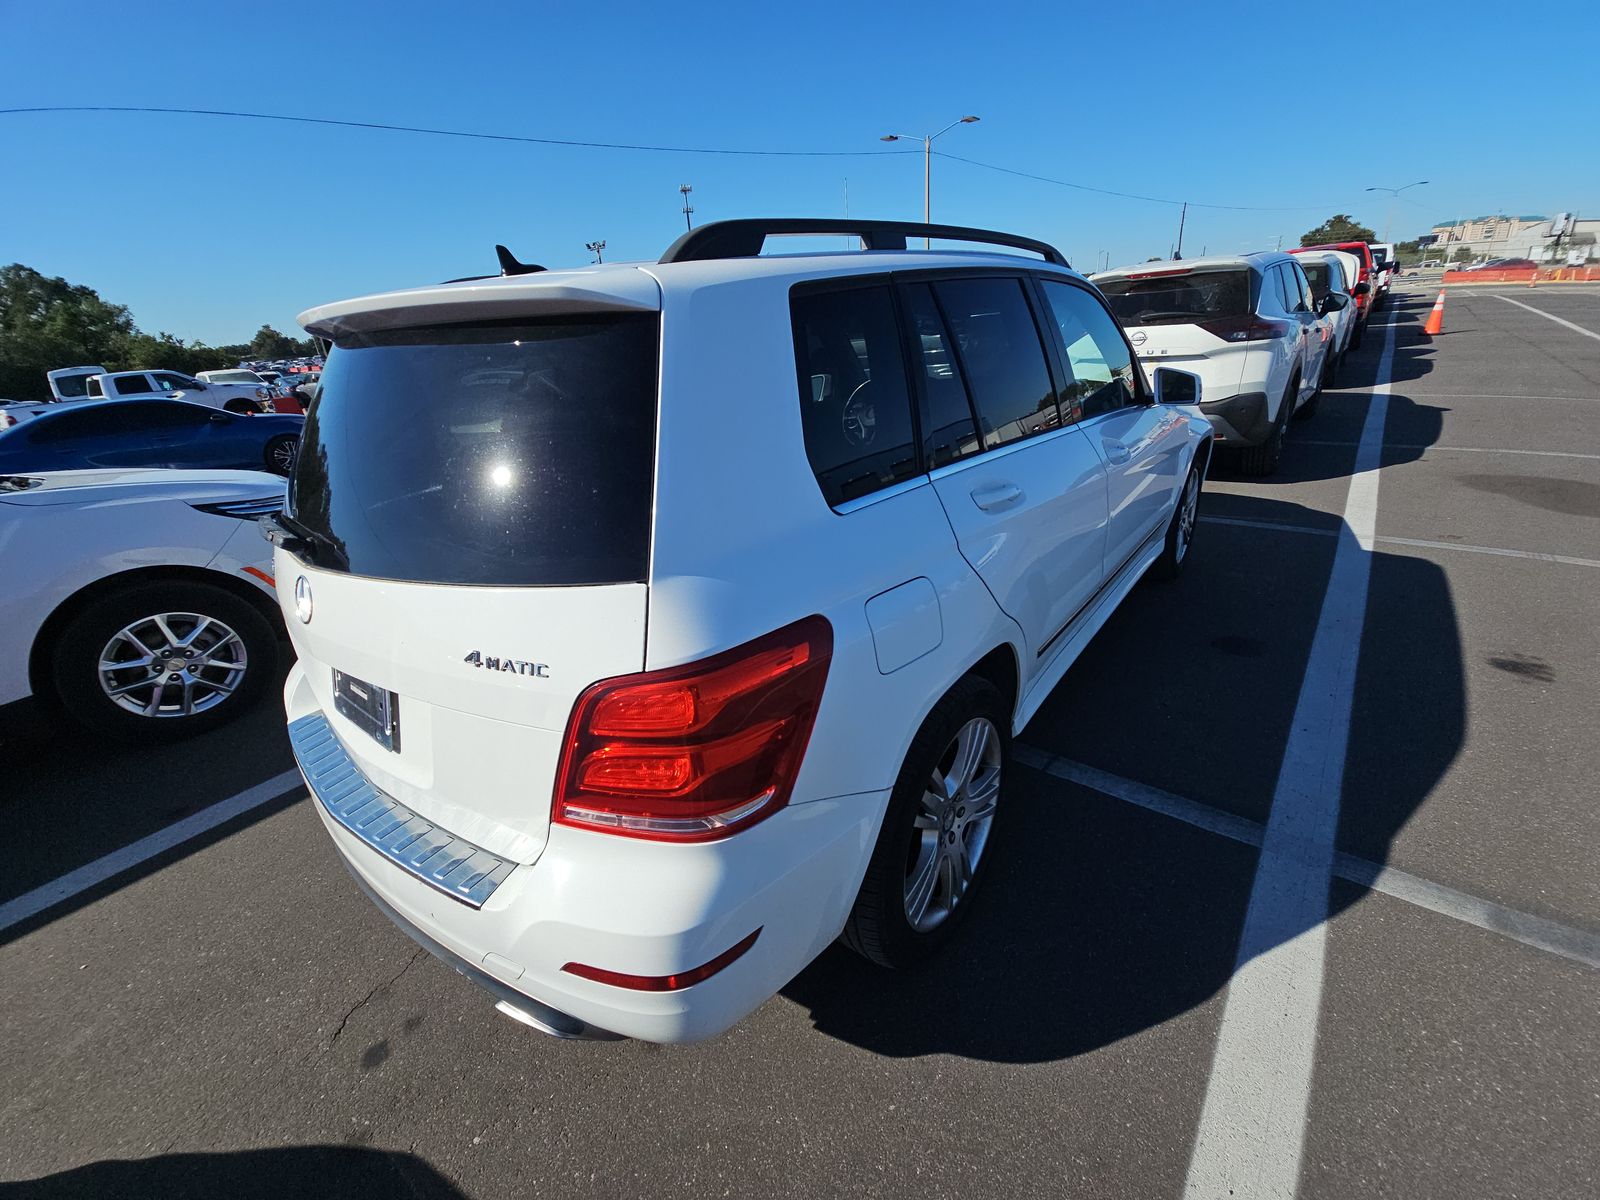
pixel 1250 327
pixel 697 752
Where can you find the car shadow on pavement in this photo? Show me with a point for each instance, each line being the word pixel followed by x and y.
pixel 1101 919
pixel 325 1172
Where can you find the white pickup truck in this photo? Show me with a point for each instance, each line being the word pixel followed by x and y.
pixel 169 385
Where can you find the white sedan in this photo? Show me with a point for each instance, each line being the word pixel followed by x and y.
pixel 139 601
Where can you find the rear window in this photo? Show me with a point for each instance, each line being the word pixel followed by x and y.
pixel 1381 257
pixel 495 454
pixel 1169 299
pixel 72 387
pixel 1323 275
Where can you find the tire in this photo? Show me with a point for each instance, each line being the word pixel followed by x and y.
pixel 880 926
pixel 1264 459
pixel 1180 530
pixel 1355 338
pixel 237 642
pixel 280 453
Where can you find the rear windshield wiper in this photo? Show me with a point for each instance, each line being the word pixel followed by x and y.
pixel 288 534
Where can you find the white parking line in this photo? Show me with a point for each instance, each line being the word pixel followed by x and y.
pixel 1407 394
pixel 1570 942
pixel 101 869
pixel 1252 1125
pixel 1424 543
pixel 1456 449
pixel 1551 317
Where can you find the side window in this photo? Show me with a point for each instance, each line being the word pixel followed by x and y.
pixel 173 383
pixel 1299 287
pixel 109 421
pixel 93 388
pixel 1099 366
pixel 1001 356
pixel 176 415
pixel 130 385
pixel 855 410
pixel 948 432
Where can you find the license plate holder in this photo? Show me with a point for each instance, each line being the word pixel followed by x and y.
pixel 376 710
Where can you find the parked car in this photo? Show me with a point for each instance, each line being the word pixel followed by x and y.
pixel 670 649
pixel 71 383
pixel 15 412
pixel 1329 274
pixel 1247 325
pixel 241 375
pixel 1366 282
pixel 169 385
pixel 296 392
pixel 1383 262
pixel 138 601
pixel 149 433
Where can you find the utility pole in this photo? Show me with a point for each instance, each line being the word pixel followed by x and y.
pixel 1280 242
pixel 1182 217
pixel 927 164
pixel 597 249
pixel 687 207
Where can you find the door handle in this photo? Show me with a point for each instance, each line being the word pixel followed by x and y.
pixel 991 498
pixel 1116 452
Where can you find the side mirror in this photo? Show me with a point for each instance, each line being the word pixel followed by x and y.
pixel 1361 289
pixel 199 385
pixel 1173 386
pixel 1333 302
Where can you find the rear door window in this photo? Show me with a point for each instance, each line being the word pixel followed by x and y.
pixel 515 453
pixel 1001 357
pixel 855 408
pixel 131 385
pixel 949 431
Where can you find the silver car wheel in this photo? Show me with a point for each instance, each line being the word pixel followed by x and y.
pixel 283 454
pixel 172 665
pixel 951 827
pixel 1188 507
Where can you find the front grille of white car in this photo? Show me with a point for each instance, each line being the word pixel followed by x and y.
pixel 458 868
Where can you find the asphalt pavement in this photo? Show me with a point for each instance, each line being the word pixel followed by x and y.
pixel 230 1017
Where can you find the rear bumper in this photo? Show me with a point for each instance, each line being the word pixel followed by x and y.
pixel 635 907
pixel 1242 420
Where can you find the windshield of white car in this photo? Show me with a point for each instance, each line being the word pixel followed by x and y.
pixel 1179 298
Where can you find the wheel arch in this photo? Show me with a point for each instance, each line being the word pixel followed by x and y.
pixel 50 629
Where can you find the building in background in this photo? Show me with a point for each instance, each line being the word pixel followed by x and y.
pixel 1501 236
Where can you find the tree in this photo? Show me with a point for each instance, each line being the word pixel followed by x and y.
pixel 1408 253
pixel 46 322
pixel 1341 227
pixel 269 343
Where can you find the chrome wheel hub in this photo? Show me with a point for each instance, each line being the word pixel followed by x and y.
pixel 172 665
pixel 1187 510
pixel 951 828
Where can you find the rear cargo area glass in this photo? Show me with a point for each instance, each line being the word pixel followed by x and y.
pixel 494 454
pixel 1173 299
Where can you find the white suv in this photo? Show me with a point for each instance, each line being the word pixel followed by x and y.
pixel 1247 325
pixel 658 623
pixel 169 385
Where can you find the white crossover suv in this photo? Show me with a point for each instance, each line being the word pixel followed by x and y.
pixel 1247 325
pixel 140 601
pixel 659 623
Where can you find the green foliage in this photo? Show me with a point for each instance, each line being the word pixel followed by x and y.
pixel 1341 227
pixel 47 323
pixel 1408 253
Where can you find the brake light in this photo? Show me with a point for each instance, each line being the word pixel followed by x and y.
pixel 1251 327
pixel 697 752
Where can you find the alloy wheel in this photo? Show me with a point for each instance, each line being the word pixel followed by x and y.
pixel 172 665
pixel 951 828
pixel 1188 507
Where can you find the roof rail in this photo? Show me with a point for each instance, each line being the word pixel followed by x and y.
pixel 744 238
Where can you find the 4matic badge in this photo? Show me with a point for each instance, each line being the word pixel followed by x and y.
pixel 515 665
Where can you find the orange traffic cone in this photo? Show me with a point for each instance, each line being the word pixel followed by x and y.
pixel 1436 317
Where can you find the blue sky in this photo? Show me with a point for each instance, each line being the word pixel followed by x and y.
pixel 206 227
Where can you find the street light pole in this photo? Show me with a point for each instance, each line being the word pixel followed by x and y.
pixel 1394 194
pixel 927 165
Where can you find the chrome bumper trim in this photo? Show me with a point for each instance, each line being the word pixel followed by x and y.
pixel 458 868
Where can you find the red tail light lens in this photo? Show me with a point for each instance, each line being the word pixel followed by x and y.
pixel 664 983
pixel 697 752
pixel 1250 327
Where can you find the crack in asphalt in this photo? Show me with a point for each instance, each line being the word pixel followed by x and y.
pixel 362 1003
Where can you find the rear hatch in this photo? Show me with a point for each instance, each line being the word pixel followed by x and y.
pixel 475 500
pixel 1194 318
